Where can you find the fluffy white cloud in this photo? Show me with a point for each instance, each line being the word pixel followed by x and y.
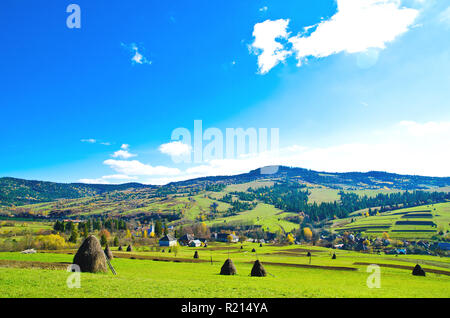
pixel 123 153
pixel 175 148
pixel 357 26
pixel 270 51
pixel 137 168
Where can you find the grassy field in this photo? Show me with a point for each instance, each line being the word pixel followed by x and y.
pixel 288 274
pixel 402 223
pixel 270 219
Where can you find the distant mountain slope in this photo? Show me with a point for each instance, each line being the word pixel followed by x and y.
pixel 363 180
pixel 18 191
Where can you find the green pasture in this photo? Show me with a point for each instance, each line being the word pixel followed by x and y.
pixel 149 278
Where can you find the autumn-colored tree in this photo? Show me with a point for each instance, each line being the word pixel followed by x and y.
pixel 307 233
pixel 144 234
pixel 128 235
pixel 49 242
pixel 290 238
pixel 106 233
pixel 385 235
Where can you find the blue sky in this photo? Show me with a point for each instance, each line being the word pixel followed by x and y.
pixel 346 94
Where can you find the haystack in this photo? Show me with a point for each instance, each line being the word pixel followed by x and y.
pixel 418 271
pixel 258 269
pixel 228 268
pixel 242 247
pixel 120 248
pixel 196 254
pixel 253 250
pixel 309 254
pixel 206 245
pixel 108 252
pixel 334 256
pixel 170 250
pixel 129 248
pixel 260 244
pixel 163 251
pixel 90 256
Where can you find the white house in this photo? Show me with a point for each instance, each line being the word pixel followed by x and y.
pixel 195 243
pixel 167 240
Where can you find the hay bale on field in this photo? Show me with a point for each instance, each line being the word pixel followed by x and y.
pixel 120 248
pixel 334 256
pixel 242 247
pixel 129 248
pixel 206 245
pixel 228 268
pixel 196 254
pixel 170 250
pixel 162 251
pixel 260 244
pixel 108 252
pixel 253 250
pixel 418 271
pixel 258 270
pixel 309 254
pixel 90 256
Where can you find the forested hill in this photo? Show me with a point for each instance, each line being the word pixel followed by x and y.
pixel 363 180
pixel 18 191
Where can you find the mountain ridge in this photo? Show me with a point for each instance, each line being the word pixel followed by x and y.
pixel 21 191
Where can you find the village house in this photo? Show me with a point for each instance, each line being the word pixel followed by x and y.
pixel 195 243
pixel 223 237
pixel 167 240
pixel 186 239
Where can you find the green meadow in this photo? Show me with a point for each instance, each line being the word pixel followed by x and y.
pixel 158 274
pixel 401 223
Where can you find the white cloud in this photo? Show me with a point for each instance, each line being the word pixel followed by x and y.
pixel 444 17
pixel 119 177
pixel 94 181
pixel 137 168
pixel 263 9
pixel 93 141
pixel 175 148
pixel 105 179
pixel 90 140
pixel 270 52
pixel 357 26
pixel 426 129
pixel 407 147
pixel 137 57
pixel 124 154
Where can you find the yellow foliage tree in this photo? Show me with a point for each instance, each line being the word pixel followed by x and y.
pixel 290 238
pixel 386 235
pixel 307 233
pixel 50 242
